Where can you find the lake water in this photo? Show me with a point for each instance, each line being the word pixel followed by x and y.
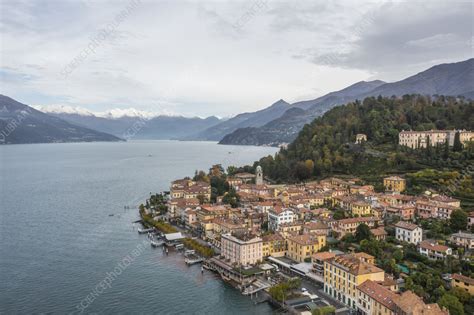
pixel 59 240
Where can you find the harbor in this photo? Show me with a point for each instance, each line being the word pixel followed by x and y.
pixel 252 282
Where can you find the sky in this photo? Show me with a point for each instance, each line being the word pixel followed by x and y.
pixel 200 58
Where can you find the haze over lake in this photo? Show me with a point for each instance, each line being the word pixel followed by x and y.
pixel 58 238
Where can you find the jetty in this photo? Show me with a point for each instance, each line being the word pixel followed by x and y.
pixel 191 258
pixel 256 286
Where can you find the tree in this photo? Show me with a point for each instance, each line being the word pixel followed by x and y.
pixel 452 304
pixel 461 294
pixel 398 255
pixel 457 145
pixel 231 198
pixel 409 283
pixel 458 220
pixel 339 214
pixel 372 247
pixel 200 176
pixel 324 310
pixel 446 149
pixel 202 199
pixel 363 232
pixel 231 170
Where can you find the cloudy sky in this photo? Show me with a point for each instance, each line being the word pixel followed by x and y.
pixel 217 58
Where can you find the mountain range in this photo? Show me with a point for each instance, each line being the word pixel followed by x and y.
pixel 454 79
pixel 159 128
pixel 274 125
pixel 20 123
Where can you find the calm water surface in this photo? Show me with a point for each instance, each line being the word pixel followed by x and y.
pixel 58 240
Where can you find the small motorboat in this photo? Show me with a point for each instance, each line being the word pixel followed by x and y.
pixel 144 230
pixel 157 243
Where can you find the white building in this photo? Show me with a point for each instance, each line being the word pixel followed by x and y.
pixel 278 216
pixel 408 232
pixel 433 250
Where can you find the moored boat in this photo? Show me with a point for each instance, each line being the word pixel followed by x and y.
pixel 157 243
pixel 144 230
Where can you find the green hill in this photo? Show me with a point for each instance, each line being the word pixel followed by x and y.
pixel 326 146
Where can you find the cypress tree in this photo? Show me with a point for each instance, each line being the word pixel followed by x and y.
pixel 457 146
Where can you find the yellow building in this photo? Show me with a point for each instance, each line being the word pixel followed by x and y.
pixel 394 183
pixel 316 200
pixel 301 247
pixel 374 299
pixel 361 208
pixel 273 245
pixel 463 282
pixel 290 228
pixel 343 273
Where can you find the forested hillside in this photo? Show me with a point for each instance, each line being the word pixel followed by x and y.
pixel 327 146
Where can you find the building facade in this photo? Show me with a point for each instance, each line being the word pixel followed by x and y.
pixel 463 282
pixel 463 239
pixel 342 274
pixel 408 232
pixel 420 139
pixel 394 183
pixel 301 247
pixel 242 249
pixel 433 250
pixel 278 216
pixel 273 245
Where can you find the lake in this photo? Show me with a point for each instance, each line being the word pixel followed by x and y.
pixel 65 225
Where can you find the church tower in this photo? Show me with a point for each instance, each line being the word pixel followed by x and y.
pixel 259 174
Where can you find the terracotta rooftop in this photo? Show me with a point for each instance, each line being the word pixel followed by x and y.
pixel 305 239
pixel 378 231
pixel 406 225
pixel 355 265
pixel 457 276
pixel 379 293
pixel 356 220
pixel 433 246
pixel 410 303
pixel 323 256
pixel 316 225
pixel 272 237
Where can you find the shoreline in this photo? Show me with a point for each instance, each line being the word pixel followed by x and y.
pixel 267 298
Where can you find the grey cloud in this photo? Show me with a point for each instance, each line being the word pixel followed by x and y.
pixel 406 35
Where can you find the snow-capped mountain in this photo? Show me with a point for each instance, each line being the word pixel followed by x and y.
pixel 110 114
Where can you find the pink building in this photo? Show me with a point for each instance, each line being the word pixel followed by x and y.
pixel 242 248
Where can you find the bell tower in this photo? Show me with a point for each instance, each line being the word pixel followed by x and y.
pixel 259 174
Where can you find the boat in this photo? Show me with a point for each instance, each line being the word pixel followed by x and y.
pixel 144 230
pixel 157 243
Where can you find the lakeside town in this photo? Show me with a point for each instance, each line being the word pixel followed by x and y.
pixel 336 245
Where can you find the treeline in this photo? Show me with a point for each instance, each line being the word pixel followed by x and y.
pixel 327 145
pixel 160 225
pixel 203 250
